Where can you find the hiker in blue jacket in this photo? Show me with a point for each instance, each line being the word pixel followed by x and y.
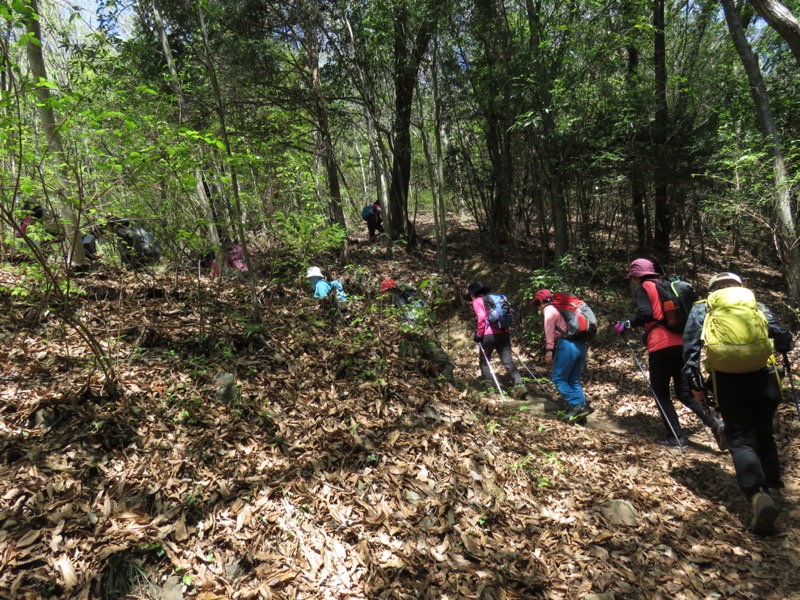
pixel 321 287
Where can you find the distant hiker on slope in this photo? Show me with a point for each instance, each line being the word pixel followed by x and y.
pixel 492 333
pixel 735 331
pixel 567 356
pixel 371 214
pixel 664 350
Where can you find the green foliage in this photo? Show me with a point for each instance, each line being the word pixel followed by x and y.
pixel 305 235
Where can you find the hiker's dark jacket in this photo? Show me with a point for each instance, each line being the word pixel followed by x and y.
pixel 692 344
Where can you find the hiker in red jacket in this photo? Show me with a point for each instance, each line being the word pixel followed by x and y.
pixel 566 356
pixel 665 352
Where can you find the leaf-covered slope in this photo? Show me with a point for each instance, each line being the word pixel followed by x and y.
pixel 344 468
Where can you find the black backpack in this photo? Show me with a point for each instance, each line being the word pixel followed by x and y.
pixel 366 212
pixel 677 298
pixel 145 245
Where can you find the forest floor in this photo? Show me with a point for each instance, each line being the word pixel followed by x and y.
pixel 342 464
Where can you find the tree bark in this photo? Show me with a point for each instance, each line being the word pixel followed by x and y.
pixel 236 217
pixel 781 20
pixel 406 68
pixel 69 217
pixel 203 201
pixel 787 238
pixel 663 214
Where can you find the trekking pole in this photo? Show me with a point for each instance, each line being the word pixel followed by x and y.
pixel 788 366
pixel 652 391
pixel 522 362
pixel 491 370
pixel 707 404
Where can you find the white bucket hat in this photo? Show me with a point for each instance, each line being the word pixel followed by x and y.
pixel 314 272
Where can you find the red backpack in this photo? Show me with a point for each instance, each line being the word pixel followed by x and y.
pixel 581 321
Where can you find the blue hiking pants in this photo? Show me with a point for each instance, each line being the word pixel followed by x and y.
pixel 568 363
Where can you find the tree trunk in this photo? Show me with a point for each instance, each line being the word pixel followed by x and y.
pixel 203 201
pixel 69 217
pixel 236 218
pixel 782 20
pixel 439 208
pixel 406 67
pixel 663 216
pixel 787 239
pixel 328 152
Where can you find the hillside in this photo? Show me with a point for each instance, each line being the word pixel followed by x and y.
pixel 340 464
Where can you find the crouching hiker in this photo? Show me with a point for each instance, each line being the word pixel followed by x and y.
pixel 734 329
pixel 493 333
pixel 137 245
pixel 567 356
pixel 407 301
pixel 322 288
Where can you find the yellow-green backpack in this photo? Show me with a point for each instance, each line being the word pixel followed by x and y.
pixel 735 333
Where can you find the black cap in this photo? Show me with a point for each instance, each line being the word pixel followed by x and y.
pixel 476 287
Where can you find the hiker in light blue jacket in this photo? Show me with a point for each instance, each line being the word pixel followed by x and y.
pixel 321 287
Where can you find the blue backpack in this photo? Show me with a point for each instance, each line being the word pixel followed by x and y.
pixel 498 310
pixel 366 212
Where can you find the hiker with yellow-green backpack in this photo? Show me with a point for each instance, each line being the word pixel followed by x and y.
pixel 735 330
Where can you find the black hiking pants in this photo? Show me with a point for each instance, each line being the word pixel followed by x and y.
pixel 747 402
pixel 502 343
pixel 665 366
pixel 374 225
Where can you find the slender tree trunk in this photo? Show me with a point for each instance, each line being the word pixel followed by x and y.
pixel 635 172
pixel 663 216
pixel 237 220
pixel 203 201
pixel 69 217
pixel 328 152
pixel 787 238
pixel 439 208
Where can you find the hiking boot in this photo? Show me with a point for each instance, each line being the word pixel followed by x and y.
pixel 777 496
pixel 577 412
pixel 718 429
pixel 764 513
pixel 520 391
pixel 671 442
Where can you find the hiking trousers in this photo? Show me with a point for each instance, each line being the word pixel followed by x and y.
pixel 665 366
pixel 568 363
pixel 502 343
pixel 747 402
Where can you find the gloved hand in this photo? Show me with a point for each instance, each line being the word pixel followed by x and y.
pixel 621 326
pixel 696 383
pixel 478 339
pixel 784 346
